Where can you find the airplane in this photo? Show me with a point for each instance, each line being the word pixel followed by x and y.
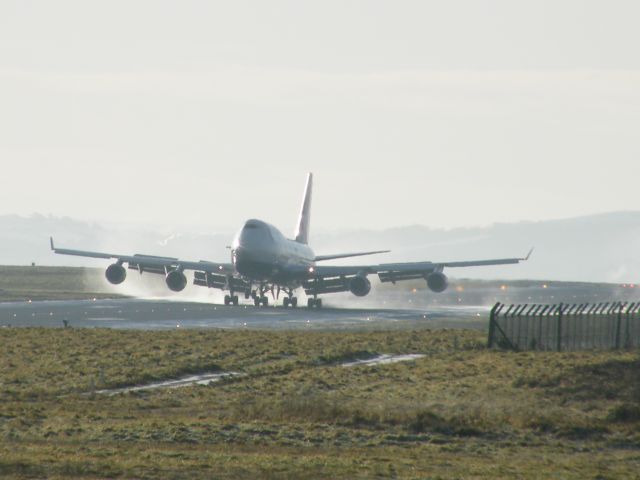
pixel 264 260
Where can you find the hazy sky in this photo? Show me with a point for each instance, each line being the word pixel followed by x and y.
pixel 204 113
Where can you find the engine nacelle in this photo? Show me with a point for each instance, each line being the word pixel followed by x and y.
pixel 176 281
pixel 437 282
pixel 115 274
pixel 359 286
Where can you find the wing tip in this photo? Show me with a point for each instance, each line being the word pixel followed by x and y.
pixel 529 254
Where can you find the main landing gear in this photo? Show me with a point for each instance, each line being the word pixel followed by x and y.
pixel 231 300
pixel 293 301
pixel 289 300
pixel 260 299
pixel 314 302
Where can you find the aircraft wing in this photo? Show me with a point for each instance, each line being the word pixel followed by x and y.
pixel 321 258
pixel 151 263
pixel 329 279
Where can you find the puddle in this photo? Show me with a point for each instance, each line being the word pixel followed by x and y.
pixel 384 359
pixel 203 379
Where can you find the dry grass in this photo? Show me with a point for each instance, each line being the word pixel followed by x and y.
pixel 461 411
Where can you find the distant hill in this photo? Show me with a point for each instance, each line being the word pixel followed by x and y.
pixel 593 248
pixel 598 248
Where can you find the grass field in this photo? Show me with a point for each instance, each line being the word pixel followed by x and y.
pixel 294 412
pixel 50 283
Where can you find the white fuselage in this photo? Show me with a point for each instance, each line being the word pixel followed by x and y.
pixel 260 252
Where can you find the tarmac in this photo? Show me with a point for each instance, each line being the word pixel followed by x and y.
pixel 162 314
pixel 456 308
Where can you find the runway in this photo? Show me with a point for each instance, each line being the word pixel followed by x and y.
pixel 385 309
pixel 154 314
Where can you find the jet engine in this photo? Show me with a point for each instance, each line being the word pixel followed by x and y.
pixel 176 281
pixel 437 282
pixel 115 273
pixel 359 286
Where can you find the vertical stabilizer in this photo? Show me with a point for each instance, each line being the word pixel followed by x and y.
pixel 302 230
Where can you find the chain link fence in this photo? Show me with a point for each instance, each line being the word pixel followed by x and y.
pixel 564 327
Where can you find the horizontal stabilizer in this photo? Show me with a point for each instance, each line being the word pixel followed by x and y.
pixel 320 258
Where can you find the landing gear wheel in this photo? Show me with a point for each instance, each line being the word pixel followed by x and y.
pixel 294 302
pixel 264 301
pixel 285 302
pixel 227 299
pixel 234 300
pixel 314 302
pixel 256 301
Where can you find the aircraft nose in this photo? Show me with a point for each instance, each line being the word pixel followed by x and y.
pixel 254 234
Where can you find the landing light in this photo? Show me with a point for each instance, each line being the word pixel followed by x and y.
pixel 503 287
pixel 311 269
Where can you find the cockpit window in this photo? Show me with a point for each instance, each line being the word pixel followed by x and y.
pixel 256 231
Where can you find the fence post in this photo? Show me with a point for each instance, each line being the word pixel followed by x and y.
pixel 619 324
pixel 492 328
pixel 518 313
pixel 627 337
pixel 559 333
pixel 543 316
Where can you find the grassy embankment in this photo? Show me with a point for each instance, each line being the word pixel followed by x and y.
pixel 461 411
pixel 50 283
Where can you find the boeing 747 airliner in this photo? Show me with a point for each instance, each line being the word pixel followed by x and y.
pixel 264 260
